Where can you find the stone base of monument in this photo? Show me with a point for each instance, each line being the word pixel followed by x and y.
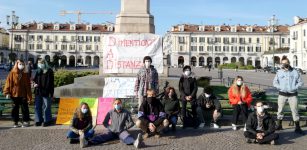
pixel 92 86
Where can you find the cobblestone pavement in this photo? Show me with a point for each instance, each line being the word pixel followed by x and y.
pixel 40 138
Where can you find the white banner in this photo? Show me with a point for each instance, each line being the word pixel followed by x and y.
pixel 118 87
pixel 124 53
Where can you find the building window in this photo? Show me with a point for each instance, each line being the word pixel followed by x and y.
pixel 80 47
pixel 258 40
pixel 193 48
pixel 56 47
pixel 209 48
pixel 17 38
pixel 55 38
pixel 17 46
pixel 39 46
pixel 226 40
pixel 283 40
pixel 250 49
pixel 181 39
pixel 32 37
pixel 218 48
pixel 201 48
pixel 258 49
pixel 96 39
pixel 64 47
pixel 80 39
pixel 242 49
pixel 242 40
pixel 202 39
pixel 233 40
pixel 249 40
pixel 64 39
pixel 304 32
pixel 88 39
pixel 73 38
pixel 47 47
pixel 96 47
pixel 39 38
pixel 225 48
pixel 194 39
pixel 180 48
pixel 88 47
pixel 218 40
pixel 210 40
pixel 31 46
pixel 233 48
pixel 72 47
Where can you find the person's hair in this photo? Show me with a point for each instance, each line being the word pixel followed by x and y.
pixel 258 101
pixel 119 100
pixel 208 90
pixel 285 58
pixel 151 91
pixel 80 115
pixel 41 60
pixel 235 88
pixel 15 68
pixel 147 58
pixel 186 67
pixel 168 90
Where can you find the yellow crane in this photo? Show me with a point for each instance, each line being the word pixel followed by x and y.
pixel 79 13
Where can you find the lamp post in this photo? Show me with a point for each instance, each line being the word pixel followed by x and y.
pixel 12 21
pixel 272 23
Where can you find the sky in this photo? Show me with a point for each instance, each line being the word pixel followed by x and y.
pixel 167 13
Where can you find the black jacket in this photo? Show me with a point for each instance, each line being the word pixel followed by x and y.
pixel 147 109
pixel 268 123
pixel 75 123
pixel 45 83
pixel 171 106
pixel 188 86
pixel 202 101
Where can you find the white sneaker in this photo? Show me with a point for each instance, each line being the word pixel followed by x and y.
pixel 25 124
pixel 234 127
pixel 138 141
pixel 15 125
pixel 201 125
pixel 244 129
pixel 83 141
pixel 215 126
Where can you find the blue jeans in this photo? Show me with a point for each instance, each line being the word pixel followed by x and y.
pixel 124 136
pixel 87 135
pixel 173 120
pixel 42 109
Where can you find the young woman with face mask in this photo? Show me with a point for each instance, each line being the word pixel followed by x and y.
pixel 81 127
pixel 18 88
pixel 171 106
pixel 260 126
pixel 240 98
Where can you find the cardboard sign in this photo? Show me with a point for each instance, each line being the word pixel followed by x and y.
pixel 124 53
pixel 104 106
pixel 66 110
pixel 119 87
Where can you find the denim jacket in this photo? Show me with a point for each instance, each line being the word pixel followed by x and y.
pixel 288 81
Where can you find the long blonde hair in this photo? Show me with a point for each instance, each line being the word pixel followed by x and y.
pixel 15 68
pixel 80 115
pixel 235 88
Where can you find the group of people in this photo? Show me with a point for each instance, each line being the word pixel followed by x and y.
pixel 157 115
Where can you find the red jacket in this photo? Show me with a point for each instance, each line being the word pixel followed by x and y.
pixel 235 98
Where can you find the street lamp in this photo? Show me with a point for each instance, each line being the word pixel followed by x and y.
pixel 272 23
pixel 12 21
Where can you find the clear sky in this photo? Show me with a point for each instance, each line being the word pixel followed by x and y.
pixel 166 12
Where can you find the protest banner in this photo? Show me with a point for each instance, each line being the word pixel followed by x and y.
pixel 104 106
pixel 124 53
pixel 66 109
pixel 119 87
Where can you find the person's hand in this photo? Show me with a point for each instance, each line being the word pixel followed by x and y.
pixel 80 132
pixel 240 102
pixel 8 96
pixel 188 98
pixel 259 136
pixel 152 127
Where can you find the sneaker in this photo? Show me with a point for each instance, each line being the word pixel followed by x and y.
pixel 249 141
pixel 38 124
pixel 15 125
pixel 25 124
pixel 46 124
pixel 83 141
pixel 272 142
pixel 202 125
pixel 234 127
pixel 145 135
pixel 139 140
pixel 244 129
pixel 215 126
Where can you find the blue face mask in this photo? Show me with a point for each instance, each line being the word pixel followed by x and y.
pixel 118 107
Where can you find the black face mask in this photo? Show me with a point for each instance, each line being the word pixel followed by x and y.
pixel 151 100
pixel 285 66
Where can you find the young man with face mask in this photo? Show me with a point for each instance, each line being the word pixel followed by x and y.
pixel 288 81
pixel 121 121
pixel 147 78
pixel 188 90
pixel 260 126
pixel 208 105
pixel 44 88
pixel 18 88
pixel 151 116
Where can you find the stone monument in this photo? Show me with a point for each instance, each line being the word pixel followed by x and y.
pixel 135 17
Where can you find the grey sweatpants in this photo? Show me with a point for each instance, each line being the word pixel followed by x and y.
pixel 292 100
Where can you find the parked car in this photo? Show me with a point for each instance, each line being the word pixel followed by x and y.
pixel 270 69
pixel 301 71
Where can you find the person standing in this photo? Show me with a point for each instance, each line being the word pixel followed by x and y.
pixel 240 98
pixel 288 81
pixel 147 78
pixel 260 126
pixel 18 88
pixel 44 89
pixel 188 90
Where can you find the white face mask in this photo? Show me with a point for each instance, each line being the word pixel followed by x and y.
pixel 239 83
pixel 21 66
pixel 187 73
pixel 42 66
pixel 260 109
pixel 207 95
pixel 147 64
pixel 84 110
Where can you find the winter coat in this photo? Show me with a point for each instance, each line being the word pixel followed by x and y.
pixel 235 98
pixel 141 85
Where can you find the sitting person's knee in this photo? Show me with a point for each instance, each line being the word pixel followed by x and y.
pixel 165 122
pixel 138 123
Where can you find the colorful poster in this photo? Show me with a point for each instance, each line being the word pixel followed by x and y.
pixel 119 87
pixel 93 104
pixel 66 110
pixel 124 53
pixel 104 106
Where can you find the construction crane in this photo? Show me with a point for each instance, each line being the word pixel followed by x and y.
pixel 79 13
